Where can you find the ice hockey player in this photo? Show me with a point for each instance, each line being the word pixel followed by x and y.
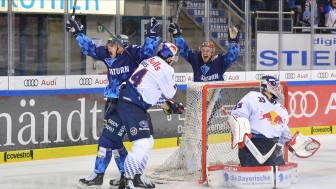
pixel 205 64
pixel 118 55
pixel 154 77
pixel 261 117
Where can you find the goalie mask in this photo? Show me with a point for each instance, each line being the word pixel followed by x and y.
pixel 168 50
pixel 119 39
pixel 271 85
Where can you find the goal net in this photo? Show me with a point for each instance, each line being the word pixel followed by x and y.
pixel 206 137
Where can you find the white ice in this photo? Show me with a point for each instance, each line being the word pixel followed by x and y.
pixel 318 171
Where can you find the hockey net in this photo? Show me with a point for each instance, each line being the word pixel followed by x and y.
pixel 206 138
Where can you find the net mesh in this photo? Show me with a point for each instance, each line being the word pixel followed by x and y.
pixel 185 163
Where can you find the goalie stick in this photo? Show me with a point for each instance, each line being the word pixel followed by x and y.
pixel 248 142
pixel 73 14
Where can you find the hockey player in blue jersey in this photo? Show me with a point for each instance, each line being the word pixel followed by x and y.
pixel 121 59
pixel 205 64
pixel 154 77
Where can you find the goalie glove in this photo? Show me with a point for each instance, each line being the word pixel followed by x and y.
pixel 302 146
pixel 152 28
pixel 174 29
pixel 171 107
pixel 77 27
pixel 233 34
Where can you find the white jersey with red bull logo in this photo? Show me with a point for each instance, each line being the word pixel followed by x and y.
pixel 153 78
pixel 266 118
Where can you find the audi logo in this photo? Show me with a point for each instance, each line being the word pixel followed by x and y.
pixel 30 82
pixel 322 75
pixel 180 78
pixel 301 98
pixel 259 76
pixel 85 81
pixel 290 75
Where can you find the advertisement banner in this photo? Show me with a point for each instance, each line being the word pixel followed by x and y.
pixel 48 121
pixel 312 105
pixel 58 6
pixel 296 52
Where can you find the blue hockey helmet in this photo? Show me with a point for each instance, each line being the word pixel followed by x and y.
pixel 271 85
pixel 168 50
pixel 119 39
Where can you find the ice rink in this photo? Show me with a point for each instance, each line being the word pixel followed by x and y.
pixel 317 172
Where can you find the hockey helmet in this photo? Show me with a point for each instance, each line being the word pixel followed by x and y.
pixel 208 44
pixel 119 39
pixel 272 85
pixel 168 50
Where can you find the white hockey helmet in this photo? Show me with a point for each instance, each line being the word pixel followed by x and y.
pixel 272 85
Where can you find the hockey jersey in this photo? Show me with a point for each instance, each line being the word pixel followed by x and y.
pixel 121 67
pixel 267 118
pixel 212 70
pixel 154 77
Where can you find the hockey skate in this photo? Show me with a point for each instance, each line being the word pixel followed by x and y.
pixel 116 182
pixel 93 181
pixel 126 184
pixel 141 181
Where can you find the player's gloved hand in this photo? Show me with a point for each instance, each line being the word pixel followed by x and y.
pixel 174 107
pixel 279 150
pixel 174 29
pixel 233 34
pixel 77 27
pixel 152 28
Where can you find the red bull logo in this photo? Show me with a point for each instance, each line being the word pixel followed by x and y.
pixel 272 117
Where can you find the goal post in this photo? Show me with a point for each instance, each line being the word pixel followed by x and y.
pixel 206 137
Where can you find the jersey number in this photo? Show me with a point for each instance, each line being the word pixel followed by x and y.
pixel 137 77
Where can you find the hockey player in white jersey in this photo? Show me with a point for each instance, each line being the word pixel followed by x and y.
pixel 154 77
pixel 268 121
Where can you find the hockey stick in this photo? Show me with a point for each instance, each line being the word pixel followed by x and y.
pixel 248 142
pixel 73 14
pixel 120 43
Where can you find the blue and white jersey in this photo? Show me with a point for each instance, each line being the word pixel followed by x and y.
pixel 266 118
pixel 154 77
pixel 212 70
pixel 121 67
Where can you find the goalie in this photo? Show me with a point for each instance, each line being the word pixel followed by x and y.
pixel 259 126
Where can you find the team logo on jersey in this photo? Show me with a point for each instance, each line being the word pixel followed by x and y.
pixel 134 131
pixel 143 123
pixel 272 117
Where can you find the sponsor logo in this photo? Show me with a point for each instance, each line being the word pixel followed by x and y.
pixel 133 131
pixel 85 81
pixel 18 156
pixel 143 124
pixel 30 82
pixel 180 78
pixel 290 75
pixel 320 130
pixel 259 76
pixel 323 75
pixel 299 103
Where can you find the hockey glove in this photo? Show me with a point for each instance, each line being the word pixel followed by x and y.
pixel 174 29
pixel 233 34
pixel 152 28
pixel 77 27
pixel 174 107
